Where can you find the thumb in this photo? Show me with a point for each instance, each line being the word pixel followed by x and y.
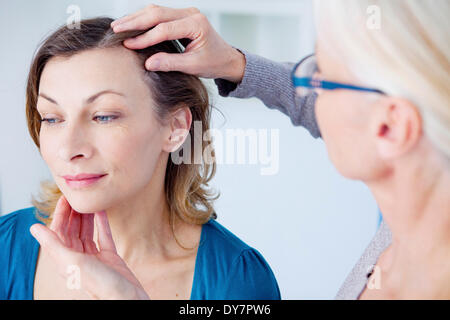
pixel 163 61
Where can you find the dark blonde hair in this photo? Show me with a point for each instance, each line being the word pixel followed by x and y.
pixel 186 184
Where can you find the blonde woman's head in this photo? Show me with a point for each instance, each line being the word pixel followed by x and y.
pixel 401 47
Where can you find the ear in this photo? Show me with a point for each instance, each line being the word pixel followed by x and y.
pixel 179 124
pixel 398 127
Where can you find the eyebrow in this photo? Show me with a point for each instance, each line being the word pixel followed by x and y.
pixel 86 101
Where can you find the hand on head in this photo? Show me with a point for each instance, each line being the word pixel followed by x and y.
pixel 207 55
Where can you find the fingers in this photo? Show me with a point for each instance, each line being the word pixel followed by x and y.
pixel 87 233
pixel 105 240
pixel 149 17
pixel 62 256
pixel 126 18
pixel 130 17
pixel 60 218
pixel 173 30
pixel 73 231
pixel 49 240
pixel 163 61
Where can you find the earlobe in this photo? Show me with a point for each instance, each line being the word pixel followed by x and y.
pixel 399 127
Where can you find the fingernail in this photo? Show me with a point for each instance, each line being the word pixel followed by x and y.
pixel 33 230
pixel 60 201
pixel 119 27
pixel 129 41
pixel 153 65
pixel 103 212
pixel 118 21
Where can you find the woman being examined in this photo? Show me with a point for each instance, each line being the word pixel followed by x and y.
pixel 121 220
pixel 379 93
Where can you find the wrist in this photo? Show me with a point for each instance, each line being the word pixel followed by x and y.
pixel 236 68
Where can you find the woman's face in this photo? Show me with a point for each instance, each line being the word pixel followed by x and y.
pixel 345 121
pixel 102 123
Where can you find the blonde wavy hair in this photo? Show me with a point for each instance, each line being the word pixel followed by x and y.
pixel 405 53
pixel 186 185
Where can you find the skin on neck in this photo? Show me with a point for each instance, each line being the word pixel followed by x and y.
pixel 140 225
pixel 415 202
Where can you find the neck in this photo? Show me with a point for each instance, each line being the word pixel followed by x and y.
pixel 415 203
pixel 140 226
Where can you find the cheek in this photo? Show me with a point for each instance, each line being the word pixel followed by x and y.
pixel 49 148
pixel 134 152
pixel 330 119
pixel 343 132
pixel 328 122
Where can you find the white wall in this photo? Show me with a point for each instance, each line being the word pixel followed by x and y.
pixel 310 224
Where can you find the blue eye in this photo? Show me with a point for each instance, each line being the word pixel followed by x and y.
pixel 105 121
pixel 47 120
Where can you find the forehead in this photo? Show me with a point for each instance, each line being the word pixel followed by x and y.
pixel 91 70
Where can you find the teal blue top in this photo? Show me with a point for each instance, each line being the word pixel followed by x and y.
pixel 226 268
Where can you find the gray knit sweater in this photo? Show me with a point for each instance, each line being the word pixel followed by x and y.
pixel 271 83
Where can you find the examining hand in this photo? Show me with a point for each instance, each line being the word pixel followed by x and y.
pixel 207 55
pixel 69 242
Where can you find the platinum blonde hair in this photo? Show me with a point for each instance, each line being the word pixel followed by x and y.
pixel 399 46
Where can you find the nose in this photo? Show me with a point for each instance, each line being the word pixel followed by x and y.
pixel 74 143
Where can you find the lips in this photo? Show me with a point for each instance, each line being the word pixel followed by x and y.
pixel 83 176
pixel 82 180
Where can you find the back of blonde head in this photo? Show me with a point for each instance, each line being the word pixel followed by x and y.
pixel 399 46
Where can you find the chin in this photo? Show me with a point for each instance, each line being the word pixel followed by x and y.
pixel 84 206
pixel 89 200
pixel 348 171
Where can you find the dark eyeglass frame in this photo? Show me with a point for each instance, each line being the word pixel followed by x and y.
pixel 309 82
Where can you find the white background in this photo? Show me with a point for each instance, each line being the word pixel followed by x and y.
pixel 309 223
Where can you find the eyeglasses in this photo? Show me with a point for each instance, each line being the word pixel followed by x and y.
pixel 306 81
